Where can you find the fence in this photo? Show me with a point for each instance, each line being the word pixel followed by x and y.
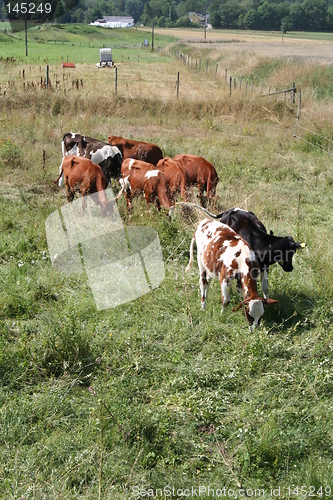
pixel 234 85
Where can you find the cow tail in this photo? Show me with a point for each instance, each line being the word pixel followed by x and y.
pixel 164 196
pixel 183 188
pixel 60 174
pixel 190 264
pixel 195 205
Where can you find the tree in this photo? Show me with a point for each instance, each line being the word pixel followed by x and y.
pixel 96 13
pixel 316 12
pixel 252 20
pixel 134 8
pixel 297 16
pixel 286 24
pixel 329 22
pixel 230 12
pixel 59 10
pixel 184 22
pixel 215 19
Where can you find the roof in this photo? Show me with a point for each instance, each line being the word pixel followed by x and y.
pixel 199 15
pixel 114 21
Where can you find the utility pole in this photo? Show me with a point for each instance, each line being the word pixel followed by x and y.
pixel 26 35
pixel 205 20
pixel 152 33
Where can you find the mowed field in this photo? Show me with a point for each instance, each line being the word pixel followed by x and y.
pixel 155 397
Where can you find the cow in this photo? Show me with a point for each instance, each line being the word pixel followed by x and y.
pixel 108 157
pixel 73 143
pixel 176 176
pixel 201 172
pixel 141 177
pixel 224 255
pixel 138 150
pixel 268 248
pixel 83 175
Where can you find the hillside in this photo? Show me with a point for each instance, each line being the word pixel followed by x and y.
pixel 156 397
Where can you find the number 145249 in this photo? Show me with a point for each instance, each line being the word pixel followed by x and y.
pixel 309 491
pixel 29 8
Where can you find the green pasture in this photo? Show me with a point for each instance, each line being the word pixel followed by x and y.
pixel 121 403
pixel 53 44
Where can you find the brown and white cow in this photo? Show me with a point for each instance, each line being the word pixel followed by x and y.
pixel 268 248
pixel 201 172
pixel 83 175
pixel 138 150
pixel 139 177
pixel 176 176
pixel 108 157
pixel 224 255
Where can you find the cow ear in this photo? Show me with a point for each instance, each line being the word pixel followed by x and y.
pixel 301 245
pixel 269 302
pixel 271 232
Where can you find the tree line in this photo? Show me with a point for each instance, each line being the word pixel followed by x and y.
pixel 271 15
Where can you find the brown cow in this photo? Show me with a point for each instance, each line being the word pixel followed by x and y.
pixel 141 177
pixel 175 175
pixel 201 172
pixel 224 255
pixel 144 151
pixel 83 175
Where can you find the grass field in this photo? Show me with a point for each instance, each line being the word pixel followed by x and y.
pixel 154 394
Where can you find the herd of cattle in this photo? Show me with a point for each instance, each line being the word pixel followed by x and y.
pixel 237 247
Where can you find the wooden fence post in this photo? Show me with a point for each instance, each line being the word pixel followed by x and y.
pixel 299 104
pixel 47 76
pixel 293 93
pixel 230 85
pixel 177 84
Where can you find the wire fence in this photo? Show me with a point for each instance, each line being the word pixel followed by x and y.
pixel 232 85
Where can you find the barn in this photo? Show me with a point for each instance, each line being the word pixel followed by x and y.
pixel 114 22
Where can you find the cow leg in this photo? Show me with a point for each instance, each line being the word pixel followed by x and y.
pixel 148 200
pixel 158 205
pixel 69 193
pixel 264 282
pixel 201 189
pixel 84 201
pixel 225 293
pixel 204 282
pixel 128 196
pixel 239 287
pixel 61 180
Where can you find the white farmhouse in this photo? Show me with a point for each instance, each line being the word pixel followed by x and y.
pixel 114 22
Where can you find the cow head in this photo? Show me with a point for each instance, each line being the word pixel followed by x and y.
pixel 254 309
pixel 288 250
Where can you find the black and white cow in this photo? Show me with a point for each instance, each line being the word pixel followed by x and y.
pixel 109 158
pixel 268 248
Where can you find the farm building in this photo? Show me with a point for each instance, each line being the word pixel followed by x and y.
pixel 197 18
pixel 114 22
